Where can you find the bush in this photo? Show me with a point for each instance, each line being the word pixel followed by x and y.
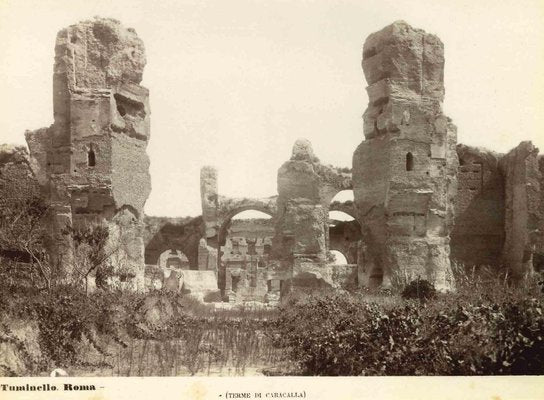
pixel 419 289
pixel 65 316
pixel 336 335
pixel 128 332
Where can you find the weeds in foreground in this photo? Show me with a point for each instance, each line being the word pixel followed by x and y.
pixel 486 327
pixel 110 333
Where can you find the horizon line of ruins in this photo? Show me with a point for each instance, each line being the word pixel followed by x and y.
pixel 420 199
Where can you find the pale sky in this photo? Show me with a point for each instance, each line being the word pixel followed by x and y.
pixel 234 83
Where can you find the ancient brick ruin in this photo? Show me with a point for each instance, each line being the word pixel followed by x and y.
pixel 404 173
pixel 92 161
pixel 499 215
pixel 420 202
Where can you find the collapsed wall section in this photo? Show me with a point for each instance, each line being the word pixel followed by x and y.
pixel 404 173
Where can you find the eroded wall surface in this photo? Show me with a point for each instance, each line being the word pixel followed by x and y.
pixel 217 214
pixel 523 208
pixel 499 208
pixel 477 237
pixel 299 215
pixel 306 188
pixel 93 159
pixel 404 173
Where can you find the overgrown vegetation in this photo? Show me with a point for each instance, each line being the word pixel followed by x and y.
pixel 23 234
pixel 419 289
pixel 121 333
pixel 91 254
pixel 485 328
pixel 25 240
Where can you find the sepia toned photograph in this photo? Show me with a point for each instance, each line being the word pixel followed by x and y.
pixel 270 189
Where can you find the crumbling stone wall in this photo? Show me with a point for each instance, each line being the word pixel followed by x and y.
pixel 500 209
pixel 404 173
pixel 523 208
pixel 299 216
pixel 92 160
pixel 245 269
pixel 477 237
pixel 15 169
pixel 305 191
pixel 252 228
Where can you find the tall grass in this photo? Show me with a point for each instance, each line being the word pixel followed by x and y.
pixel 220 346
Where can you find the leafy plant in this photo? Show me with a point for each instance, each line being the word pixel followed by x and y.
pixel 419 289
pixel 454 335
pixel 23 231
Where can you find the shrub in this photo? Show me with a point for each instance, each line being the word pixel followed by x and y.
pixel 336 335
pixel 64 317
pixel 419 289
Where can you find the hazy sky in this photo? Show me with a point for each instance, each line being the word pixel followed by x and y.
pixel 234 83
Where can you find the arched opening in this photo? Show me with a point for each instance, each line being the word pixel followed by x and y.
pixel 339 216
pixel 342 207
pixel 343 196
pixel 251 214
pixel 91 158
pixel 337 258
pixel 409 161
pixel 173 259
pixel 344 231
pixel 344 237
pixel 245 241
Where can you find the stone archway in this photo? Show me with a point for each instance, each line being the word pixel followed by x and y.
pixel 345 235
pixel 243 253
pixel 173 259
pixel 164 234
